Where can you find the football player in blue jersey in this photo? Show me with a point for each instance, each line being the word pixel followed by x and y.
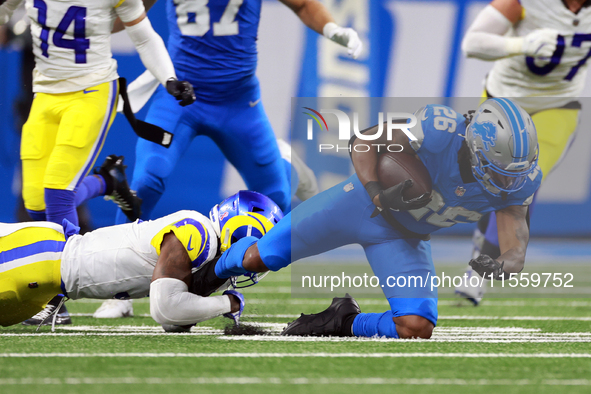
pixel 478 165
pixel 213 45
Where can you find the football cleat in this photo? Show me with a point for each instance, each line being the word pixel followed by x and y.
pixel 474 294
pixel 236 315
pixel 113 172
pixel 112 309
pixel 307 182
pixel 45 317
pixel 336 320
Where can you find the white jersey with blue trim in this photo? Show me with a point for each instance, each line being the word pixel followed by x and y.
pixel 556 81
pixel 118 261
pixel 72 41
pixel 440 135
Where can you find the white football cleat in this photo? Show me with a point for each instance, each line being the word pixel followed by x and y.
pixel 112 309
pixel 307 183
pixel 466 290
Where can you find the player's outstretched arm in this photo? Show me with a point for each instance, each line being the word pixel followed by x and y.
pixel 513 237
pixel 485 38
pixel 7 9
pixel 316 17
pixel 170 300
pixel 153 51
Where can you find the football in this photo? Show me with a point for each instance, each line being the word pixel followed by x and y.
pixel 394 168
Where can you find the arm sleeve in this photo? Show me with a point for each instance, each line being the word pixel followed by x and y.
pixel 171 303
pixel 151 49
pixel 485 38
pixel 129 10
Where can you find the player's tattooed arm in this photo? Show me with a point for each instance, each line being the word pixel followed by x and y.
pixel 174 261
pixel 513 237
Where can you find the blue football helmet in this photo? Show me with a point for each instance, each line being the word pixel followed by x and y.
pixel 244 214
pixel 503 146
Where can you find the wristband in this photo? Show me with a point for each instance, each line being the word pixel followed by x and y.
pixel 373 188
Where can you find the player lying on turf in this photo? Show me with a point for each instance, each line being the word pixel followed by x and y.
pixel 540 49
pixel 156 258
pixel 487 163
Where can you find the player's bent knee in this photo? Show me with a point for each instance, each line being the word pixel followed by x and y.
pixel 413 326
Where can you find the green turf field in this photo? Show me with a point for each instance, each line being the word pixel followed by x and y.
pixel 514 345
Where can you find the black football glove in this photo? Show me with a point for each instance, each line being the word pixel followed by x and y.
pixel 391 198
pixel 181 90
pixel 485 266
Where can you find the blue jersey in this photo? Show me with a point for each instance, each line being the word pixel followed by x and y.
pixel 212 44
pixel 440 134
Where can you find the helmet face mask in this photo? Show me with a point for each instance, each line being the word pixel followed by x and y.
pixel 244 214
pixel 503 146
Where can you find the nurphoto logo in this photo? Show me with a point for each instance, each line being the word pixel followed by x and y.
pixel 394 121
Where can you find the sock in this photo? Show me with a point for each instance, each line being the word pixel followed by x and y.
pixel 92 186
pixel 60 205
pixel 371 324
pixel 38 216
pixel 230 263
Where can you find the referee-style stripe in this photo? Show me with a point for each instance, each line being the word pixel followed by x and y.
pixel 98 145
pixel 30 250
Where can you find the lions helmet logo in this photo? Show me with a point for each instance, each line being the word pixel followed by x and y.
pixel 487 132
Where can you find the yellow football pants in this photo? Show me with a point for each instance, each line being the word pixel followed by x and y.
pixel 29 270
pixel 62 138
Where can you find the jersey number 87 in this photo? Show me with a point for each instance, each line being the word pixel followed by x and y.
pixel 74 14
pixel 193 18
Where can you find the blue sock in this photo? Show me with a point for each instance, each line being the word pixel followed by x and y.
pixel 38 216
pixel 59 205
pixel 92 186
pixel 230 263
pixel 371 324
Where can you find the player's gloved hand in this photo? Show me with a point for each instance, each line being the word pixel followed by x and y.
pixel 7 9
pixel 540 43
pixel 392 198
pixel 344 36
pixel 486 266
pixel 181 90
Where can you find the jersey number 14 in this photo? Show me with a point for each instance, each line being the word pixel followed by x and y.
pixel 74 14
pixel 193 18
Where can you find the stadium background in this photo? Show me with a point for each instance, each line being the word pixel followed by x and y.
pixel 412 49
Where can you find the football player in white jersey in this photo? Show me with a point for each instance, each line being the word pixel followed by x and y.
pixel 76 90
pixel 134 260
pixel 540 50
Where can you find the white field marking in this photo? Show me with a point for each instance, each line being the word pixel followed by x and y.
pixel 294 381
pixel 467 317
pixel 365 301
pixel 277 289
pixel 296 355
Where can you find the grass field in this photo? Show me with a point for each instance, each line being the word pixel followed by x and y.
pixel 513 345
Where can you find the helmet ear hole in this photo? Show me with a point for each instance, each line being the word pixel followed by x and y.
pixel 257 209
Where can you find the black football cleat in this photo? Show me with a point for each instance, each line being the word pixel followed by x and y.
pixel 113 172
pixel 45 317
pixel 336 320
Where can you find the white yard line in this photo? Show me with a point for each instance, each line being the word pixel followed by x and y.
pixel 296 355
pixel 295 381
